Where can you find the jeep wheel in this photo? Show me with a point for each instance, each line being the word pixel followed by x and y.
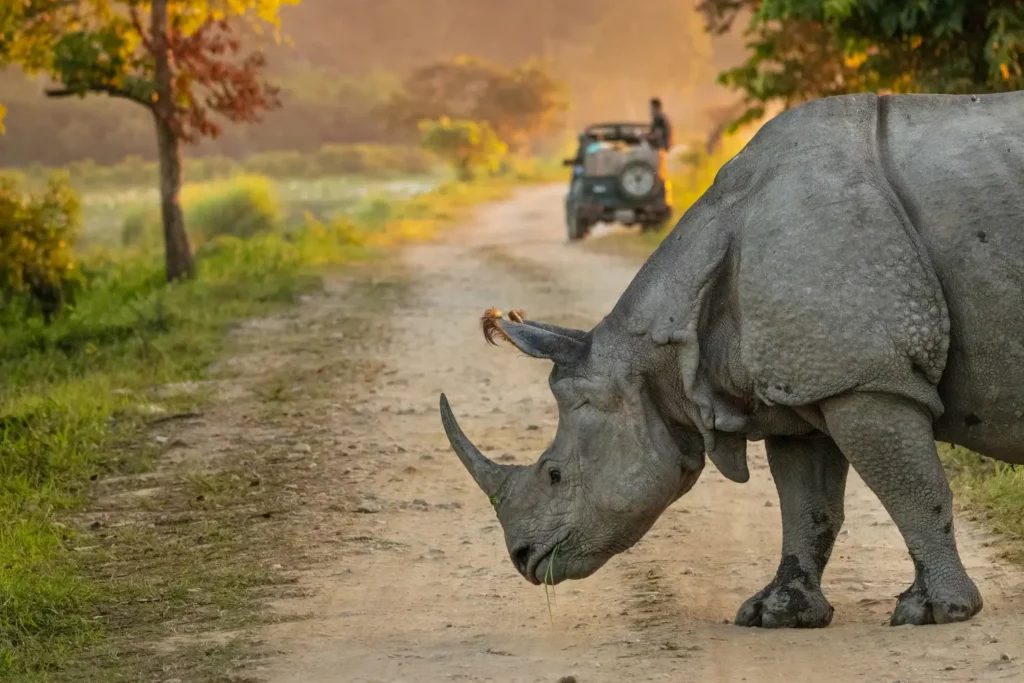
pixel 576 227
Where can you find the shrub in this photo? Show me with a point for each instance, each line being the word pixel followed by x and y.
pixel 700 168
pixel 37 233
pixel 241 207
pixel 465 145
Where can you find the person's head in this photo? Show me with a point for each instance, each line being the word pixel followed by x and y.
pixel 655 106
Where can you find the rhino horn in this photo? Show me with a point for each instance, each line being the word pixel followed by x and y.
pixel 488 474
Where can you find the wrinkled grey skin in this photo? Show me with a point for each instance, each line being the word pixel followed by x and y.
pixel 850 290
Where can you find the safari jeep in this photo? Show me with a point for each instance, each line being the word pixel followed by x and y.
pixel 617 178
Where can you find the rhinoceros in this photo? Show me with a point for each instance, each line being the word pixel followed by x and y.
pixel 849 290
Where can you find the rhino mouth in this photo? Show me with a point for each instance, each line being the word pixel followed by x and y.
pixel 547 571
pixel 544 565
pixel 552 569
pixel 555 565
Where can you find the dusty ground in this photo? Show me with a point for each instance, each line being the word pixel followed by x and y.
pixel 401 562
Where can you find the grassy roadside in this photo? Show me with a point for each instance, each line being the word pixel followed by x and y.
pixel 985 489
pixel 991 492
pixel 77 398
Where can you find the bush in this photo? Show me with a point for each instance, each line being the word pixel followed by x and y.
pixel 465 145
pixel 701 167
pixel 37 233
pixel 242 207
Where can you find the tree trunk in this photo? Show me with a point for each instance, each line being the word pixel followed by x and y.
pixel 178 251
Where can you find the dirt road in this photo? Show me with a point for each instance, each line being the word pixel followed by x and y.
pixel 419 586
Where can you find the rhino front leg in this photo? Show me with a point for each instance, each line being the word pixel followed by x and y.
pixel 810 476
pixel 890 443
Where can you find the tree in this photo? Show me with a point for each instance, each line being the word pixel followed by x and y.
pixel 466 145
pixel 521 103
pixel 183 61
pixel 516 103
pixel 803 49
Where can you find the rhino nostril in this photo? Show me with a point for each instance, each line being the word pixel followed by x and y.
pixel 521 557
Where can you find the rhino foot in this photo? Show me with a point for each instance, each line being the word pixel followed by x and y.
pixel 917 608
pixel 786 605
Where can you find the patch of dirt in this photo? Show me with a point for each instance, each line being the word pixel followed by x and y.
pixel 401 569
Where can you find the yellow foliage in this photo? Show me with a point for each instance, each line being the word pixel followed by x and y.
pixel 36 233
pixel 466 145
pixel 854 60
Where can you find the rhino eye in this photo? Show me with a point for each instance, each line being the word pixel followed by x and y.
pixel 556 476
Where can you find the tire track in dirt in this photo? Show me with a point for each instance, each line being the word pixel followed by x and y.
pixel 423 590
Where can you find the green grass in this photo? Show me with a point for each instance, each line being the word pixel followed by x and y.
pixel 105 212
pixel 288 201
pixel 376 161
pixel 70 395
pixel 74 399
pixel 989 490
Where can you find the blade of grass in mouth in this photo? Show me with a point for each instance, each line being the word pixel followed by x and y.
pixel 549 579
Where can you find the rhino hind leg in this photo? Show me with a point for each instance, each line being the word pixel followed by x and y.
pixel 890 443
pixel 810 476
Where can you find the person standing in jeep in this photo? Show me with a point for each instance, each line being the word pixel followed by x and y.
pixel 660 138
pixel 661 129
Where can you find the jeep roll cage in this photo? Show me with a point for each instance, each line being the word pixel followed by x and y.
pixel 631 133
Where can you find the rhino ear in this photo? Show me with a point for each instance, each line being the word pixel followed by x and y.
pixel 579 335
pixel 730 457
pixel 534 340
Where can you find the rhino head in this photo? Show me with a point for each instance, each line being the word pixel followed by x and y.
pixel 615 464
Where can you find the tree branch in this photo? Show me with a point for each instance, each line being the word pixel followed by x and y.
pixel 110 90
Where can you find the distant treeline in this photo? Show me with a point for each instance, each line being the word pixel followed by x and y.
pixel 317 109
pixel 348 57
pixel 328 160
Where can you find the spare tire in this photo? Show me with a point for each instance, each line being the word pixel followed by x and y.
pixel 638 180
